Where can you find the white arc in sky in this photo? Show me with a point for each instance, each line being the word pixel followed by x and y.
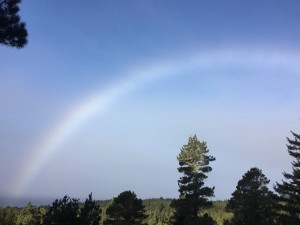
pixel 100 101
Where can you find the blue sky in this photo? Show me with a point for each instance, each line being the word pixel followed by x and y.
pixel 226 71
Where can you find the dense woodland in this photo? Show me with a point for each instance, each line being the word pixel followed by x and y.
pixel 158 211
pixel 252 203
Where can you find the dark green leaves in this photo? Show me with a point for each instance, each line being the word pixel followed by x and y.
pixel 252 202
pixel 289 190
pixel 126 209
pixel 193 195
pixel 67 211
pixel 12 31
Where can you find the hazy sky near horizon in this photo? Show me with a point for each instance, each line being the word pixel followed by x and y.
pixel 106 93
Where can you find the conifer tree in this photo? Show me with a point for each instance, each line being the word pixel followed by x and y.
pixel 12 30
pixel 63 212
pixel 193 195
pixel 252 202
pixel 289 190
pixel 126 209
pixel 90 212
pixel 67 211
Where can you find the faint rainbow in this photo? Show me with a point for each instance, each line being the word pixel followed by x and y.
pixel 100 101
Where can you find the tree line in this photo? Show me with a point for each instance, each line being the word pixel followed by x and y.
pixel 252 203
pixel 158 211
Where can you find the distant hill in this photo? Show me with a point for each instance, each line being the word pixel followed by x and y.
pixel 21 202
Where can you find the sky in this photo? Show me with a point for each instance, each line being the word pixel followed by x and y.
pixel 106 93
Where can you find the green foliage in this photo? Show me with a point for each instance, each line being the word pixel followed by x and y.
pixel 90 213
pixel 193 195
pixel 63 212
pixel 67 211
pixel 126 209
pixel 205 220
pixel 158 211
pixel 9 215
pixel 218 212
pixel 289 190
pixel 252 202
pixel 12 31
pixel 31 215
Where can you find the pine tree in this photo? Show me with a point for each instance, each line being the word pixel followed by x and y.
pixel 12 31
pixel 63 212
pixel 90 212
pixel 193 195
pixel 289 190
pixel 126 209
pixel 252 202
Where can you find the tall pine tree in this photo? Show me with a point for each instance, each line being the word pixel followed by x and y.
pixel 289 190
pixel 12 30
pixel 193 195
